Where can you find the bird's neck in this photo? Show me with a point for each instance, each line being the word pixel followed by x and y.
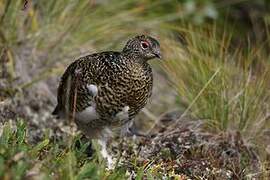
pixel 135 57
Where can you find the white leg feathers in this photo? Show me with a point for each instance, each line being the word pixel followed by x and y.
pixel 105 154
pixel 123 115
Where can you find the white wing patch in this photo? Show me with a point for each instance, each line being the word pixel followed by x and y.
pixel 89 114
pixel 92 89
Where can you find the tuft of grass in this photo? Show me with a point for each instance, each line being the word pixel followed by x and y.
pixel 19 159
pixel 237 97
pixel 221 83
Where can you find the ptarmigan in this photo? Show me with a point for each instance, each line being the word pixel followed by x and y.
pixel 104 91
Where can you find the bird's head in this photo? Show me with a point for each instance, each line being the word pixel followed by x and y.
pixel 143 47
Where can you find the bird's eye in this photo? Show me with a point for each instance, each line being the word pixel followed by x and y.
pixel 144 45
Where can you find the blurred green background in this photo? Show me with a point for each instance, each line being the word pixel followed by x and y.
pixel 216 61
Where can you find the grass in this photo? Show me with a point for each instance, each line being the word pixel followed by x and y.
pixel 218 81
pixel 225 85
pixel 237 95
pixel 19 159
pixel 49 160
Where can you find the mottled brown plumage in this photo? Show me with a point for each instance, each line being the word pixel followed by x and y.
pixel 103 84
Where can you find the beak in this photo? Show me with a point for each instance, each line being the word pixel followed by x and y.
pixel 157 54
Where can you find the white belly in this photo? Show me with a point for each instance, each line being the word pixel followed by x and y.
pixel 87 115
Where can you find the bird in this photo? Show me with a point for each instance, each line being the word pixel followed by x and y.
pixel 103 92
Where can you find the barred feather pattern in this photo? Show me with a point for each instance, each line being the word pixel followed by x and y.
pixel 119 83
pixel 122 78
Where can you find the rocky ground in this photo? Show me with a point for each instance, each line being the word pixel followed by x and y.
pixel 185 150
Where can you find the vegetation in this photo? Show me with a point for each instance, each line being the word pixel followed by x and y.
pixel 216 57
